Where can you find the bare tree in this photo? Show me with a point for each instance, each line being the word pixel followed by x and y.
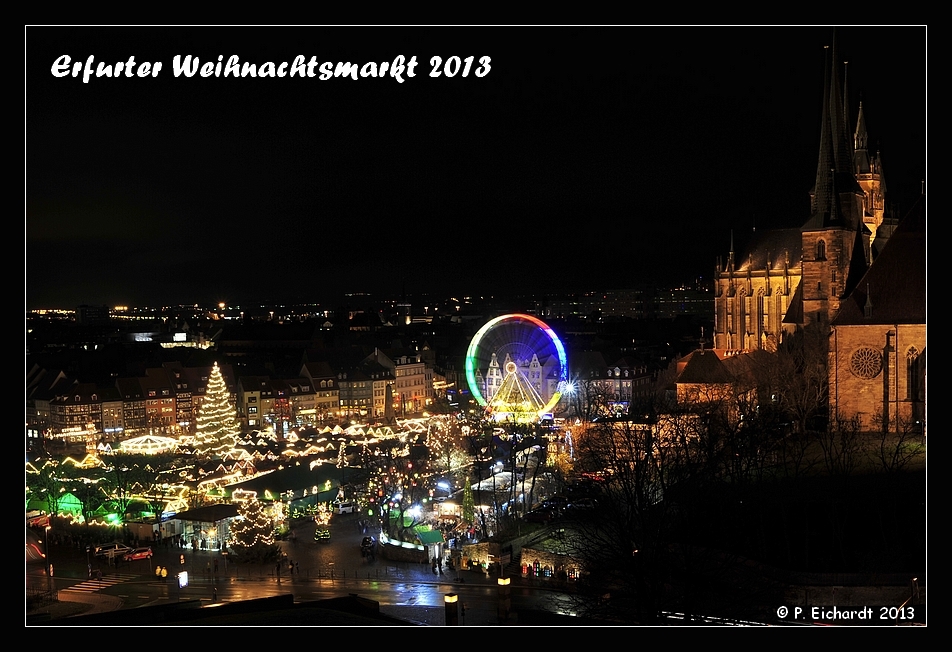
pixel 896 451
pixel 624 540
pixel 646 547
pixel 589 399
pixel 798 378
pixel 841 446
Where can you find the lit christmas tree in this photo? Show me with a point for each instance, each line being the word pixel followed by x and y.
pixel 469 508
pixel 252 533
pixel 217 423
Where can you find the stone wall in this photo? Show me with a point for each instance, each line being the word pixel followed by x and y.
pixel 859 390
pixel 543 564
pixel 416 554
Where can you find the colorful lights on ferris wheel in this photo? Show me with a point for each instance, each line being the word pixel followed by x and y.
pixel 524 336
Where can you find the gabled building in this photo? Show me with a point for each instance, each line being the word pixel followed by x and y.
pixel 182 388
pixel 323 379
pixel 878 337
pixel 282 404
pixel 412 379
pixel 42 387
pixel 254 396
pixel 133 404
pixel 76 412
pixel 159 393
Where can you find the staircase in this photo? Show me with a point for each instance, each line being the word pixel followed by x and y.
pixel 514 567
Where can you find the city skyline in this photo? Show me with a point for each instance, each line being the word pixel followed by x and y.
pixel 583 157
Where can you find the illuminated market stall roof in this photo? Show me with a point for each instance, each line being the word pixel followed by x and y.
pixel 209 513
pixel 149 444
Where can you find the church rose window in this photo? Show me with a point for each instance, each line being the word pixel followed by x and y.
pixel 866 362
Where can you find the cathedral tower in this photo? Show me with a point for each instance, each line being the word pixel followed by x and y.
pixel 835 229
pixel 869 174
pixel 789 278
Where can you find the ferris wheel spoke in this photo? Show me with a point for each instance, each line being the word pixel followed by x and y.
pixel 516 366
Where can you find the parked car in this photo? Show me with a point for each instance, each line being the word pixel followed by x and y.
pixel 583 503
pixel 541 515
pixel 138 553
pixel 111 550
pixel 345 508
pixel 555 502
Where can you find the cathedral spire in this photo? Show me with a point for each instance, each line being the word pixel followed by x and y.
pixel 821 187
pixel 834 172
pixel 842 143
pixel 862 163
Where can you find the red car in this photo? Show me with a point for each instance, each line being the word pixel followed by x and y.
pixel 138 553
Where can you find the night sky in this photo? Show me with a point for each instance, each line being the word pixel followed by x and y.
pixel 586 158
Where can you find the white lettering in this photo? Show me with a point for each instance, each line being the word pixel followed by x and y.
pixel 88 69
pixel 345 69
pixel 231 68
pixel 369 69
pixel 60 66
pixel 187 67
pixel 297 67
pixel 396 70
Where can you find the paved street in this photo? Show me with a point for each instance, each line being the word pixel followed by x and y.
pixel 404 590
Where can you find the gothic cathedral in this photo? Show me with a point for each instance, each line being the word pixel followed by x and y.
pixel 815 275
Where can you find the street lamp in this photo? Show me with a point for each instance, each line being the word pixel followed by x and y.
pixel 504 599
pixel 49 563
pixel 451 608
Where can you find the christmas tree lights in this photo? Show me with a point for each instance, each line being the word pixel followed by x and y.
pixel 217 425
pixel 252 532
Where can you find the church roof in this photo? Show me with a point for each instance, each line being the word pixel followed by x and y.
pixel 794 314
pixel 704 367
pixel 895 284
pixel 777 247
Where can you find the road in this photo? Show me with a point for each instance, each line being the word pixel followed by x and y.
pixel 323 570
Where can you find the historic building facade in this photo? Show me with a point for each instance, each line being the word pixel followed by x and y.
pixel 878 337
pixel 789 278
pixel 825 271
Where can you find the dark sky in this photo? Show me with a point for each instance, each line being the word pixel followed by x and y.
pixel 587 157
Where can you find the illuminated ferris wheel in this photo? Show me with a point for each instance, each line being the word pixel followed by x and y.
pixel 516 366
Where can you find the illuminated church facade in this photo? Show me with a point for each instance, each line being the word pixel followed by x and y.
pixel 792 278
